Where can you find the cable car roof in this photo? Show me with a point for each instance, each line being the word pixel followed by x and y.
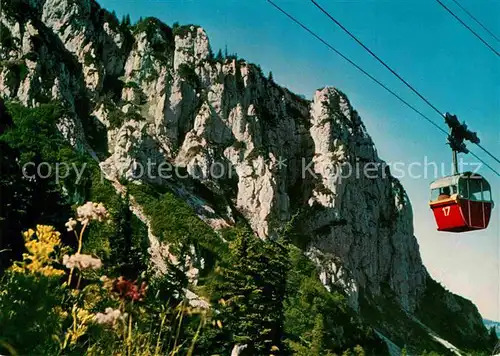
pixel 445 182
pixel 453 180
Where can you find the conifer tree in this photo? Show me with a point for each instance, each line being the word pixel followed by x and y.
pixel 126 20
pixel 219 57
pixel 493 336
pixel 250 289
pixel 318 335
pixel 121 241
pixel 29 136
pixel 11 213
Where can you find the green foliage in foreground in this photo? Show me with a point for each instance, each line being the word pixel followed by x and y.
pixel 43 313
pixel 28 319
pixel 31 136
pixel 34 138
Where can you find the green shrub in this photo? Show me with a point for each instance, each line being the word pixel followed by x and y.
pixel 6 39
pixel 36 136
pixel 239 145
pixel 172 220
pixel 264 293
pixel 32 56
pixel 116 118
pixel 18 68
pixel 149 25
pixel 23 71
pixel 88 59
pixel 183 31
pixel 187 73
pixel 258 152
pixel 160 37
pixel 29 317
pixel 131 85
pixel 385 313
pixel 17 10
pixel 313 315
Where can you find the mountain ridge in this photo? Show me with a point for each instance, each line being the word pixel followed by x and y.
pixel 490 323
pixel 149 93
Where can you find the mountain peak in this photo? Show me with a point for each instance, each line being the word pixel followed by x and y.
pixel 241 148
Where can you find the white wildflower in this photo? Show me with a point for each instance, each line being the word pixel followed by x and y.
pixel 81 261
pixel 91 211
pixel 100 212
pixel 84 212
pixel 71 224
pixel 110 316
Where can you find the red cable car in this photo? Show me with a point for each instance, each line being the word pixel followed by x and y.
pixel 461 202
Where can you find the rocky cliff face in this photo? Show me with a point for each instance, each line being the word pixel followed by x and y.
pixel 158 96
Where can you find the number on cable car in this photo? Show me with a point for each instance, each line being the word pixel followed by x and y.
pixel 461 202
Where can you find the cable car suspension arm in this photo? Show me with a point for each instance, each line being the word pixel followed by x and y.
pixel 459 133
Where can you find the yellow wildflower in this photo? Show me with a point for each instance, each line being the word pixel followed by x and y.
pixel 61 312
pixel 41 245
pixel 81 319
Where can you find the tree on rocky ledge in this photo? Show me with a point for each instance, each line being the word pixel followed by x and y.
pixel 493 336
pixel 250 289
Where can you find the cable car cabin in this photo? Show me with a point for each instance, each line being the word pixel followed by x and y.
pixel 461 202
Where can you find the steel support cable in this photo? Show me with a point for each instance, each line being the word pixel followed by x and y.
pixel 370 76
pixel 476 20
pixel 392 70
pixel 468 27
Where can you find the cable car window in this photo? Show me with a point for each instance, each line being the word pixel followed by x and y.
pixel 435 194
pixel 443 193
pixel 475 191
pixel 486 193
pixel 463 189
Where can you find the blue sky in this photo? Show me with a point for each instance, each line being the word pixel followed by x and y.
pixel 421 41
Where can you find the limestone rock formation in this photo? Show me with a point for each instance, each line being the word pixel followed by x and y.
pixel 162 98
